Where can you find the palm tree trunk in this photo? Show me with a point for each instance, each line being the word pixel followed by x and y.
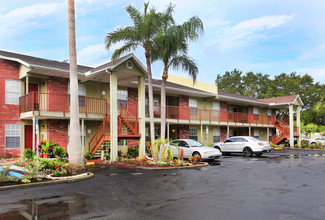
pixel 152 124
pixel 163 104
pixel 75 150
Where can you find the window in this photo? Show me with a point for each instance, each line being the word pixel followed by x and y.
pixel 12 91
pixel 81 94
pixel 193 133
pixel 230 140
pixel 216 135
pixel 122 98
pixel 216 109
pixel 80 134
pixel 182 144
pixel 12 132
pixel 174 143
pixel 269 112
pixel 193 106
pixel 157 132
pixel 256 133
pixel 255 111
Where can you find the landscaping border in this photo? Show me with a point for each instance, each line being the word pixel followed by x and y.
pixel 76 178
pixel 171 168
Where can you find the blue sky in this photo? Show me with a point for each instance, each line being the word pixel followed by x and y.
pixel 264 36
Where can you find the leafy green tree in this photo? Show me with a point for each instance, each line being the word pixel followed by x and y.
pixel 171 47
pixel 231 82
pixel 145 27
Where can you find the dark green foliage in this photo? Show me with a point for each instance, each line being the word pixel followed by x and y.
pixel 133 152
pixel 89 156
pixel 29 154
pixel 59 152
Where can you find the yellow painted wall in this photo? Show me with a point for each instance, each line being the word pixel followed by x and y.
pixel 23 71
pixel 208 87
pixel 94 90
pixel 134 71
pixel 263 134
pixel 93 126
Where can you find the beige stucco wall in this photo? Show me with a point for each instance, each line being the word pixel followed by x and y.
pixel 134 71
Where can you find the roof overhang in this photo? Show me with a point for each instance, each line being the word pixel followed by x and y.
pixel 240 100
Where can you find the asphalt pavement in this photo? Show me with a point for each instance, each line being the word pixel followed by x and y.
pixel 285 184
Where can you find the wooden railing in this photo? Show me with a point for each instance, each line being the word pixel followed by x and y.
pixel 103 129
pixel 127 123
pixel 60 103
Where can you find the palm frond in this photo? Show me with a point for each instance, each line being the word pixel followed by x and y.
pixel 125 48
pixel 185 63
pixel 193 28
pixel 121 34
pixel 135 15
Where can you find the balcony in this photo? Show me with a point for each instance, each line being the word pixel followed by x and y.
pixel 196 115
pixel 57 105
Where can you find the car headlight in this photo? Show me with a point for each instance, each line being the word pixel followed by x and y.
pixel 208 152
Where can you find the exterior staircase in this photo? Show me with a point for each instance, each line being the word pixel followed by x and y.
pixel 284 133
pixel 127 128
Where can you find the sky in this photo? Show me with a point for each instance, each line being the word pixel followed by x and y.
pixel 262 36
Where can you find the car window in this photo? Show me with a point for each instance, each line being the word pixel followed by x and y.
pixel 174 143
pixel 230 140
pixel 182 144
pixel 244 140
pixel 194 143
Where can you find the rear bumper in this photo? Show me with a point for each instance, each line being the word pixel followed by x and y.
pixel 263 151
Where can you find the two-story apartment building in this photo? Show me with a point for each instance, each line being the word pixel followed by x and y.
pixel 113 107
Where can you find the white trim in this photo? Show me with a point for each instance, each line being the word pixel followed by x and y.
pixel 243 100
pixel 15 59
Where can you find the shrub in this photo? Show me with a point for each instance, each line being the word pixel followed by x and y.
pixel 164 154
pixel 312 146
pixel 272 145
pixel 170 154
pixel 304 145
pixel 319 145
pixel 29 154
pixel 45 147
pixel 119 153
pixel 107 156
pixel 133 152
pixel 3 175
pixel 89 155
pixel 296 146
pixel 59 152
pixel 194 159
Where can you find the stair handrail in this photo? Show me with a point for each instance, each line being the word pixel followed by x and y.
pixel 97 135
pixel 124 111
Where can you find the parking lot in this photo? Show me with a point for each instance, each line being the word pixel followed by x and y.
pixel 285 184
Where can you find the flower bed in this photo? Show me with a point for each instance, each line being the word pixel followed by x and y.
pixel 134 163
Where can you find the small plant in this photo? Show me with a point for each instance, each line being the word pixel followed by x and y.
pixel 304 146
pixel 272 145
pixel 133 152
pixel 119 153
pixel 45 147
pixel 164 154
pixel 319 145
pixel 89 155
pixel 194 159
pixel 29 154
pixel 155 149
pixel 170 154
pixel 181 154
pixel 25 180
pixel 5 171
pixel 107 156
pixel 296 146
pixel 312 146
pixel 59 152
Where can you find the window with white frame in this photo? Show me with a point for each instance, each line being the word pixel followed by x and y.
pixel 12 91
pixel 193 106
pixel 216 109
pixel 269 112
pixel 12 133
pixel 122 98
pixel 255 112
pixel 193 133
pixel 80 134
pixel 81 94
pixel 216 135
pixel 256 133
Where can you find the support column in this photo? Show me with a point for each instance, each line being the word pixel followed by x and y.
pixel 228 132
pixel 34 128
pixel 268 134
pixel 168 131
pixel 249 131
pixel 113 115
pixel 142 115
pixel 83 136
pixel 298 125
pixel 291 125
pixel 26 85
pixel 201 138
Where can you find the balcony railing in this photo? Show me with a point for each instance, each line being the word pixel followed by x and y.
pixel 196 114
pixel 60 103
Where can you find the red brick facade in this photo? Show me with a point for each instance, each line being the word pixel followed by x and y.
pixel 56 85
pixel 223 112
pixel 250 114
pixel 57 131
pixel 223 134
pixel 184 111
pixel 9 114
pixel 184 131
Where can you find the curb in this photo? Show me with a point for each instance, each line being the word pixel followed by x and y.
pixel 298 149
pixel 70 180
pixel 172 168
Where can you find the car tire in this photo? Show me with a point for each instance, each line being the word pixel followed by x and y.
pixel 259 154
pixel 314 143
pixel 196 153
pixel 217 147
pixel 247 152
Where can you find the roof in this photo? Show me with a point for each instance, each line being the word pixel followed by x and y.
pixel 35 62
pixel 240 98
pixel 283 100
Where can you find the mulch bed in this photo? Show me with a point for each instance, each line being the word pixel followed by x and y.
pixel 11 183
pixel 126 164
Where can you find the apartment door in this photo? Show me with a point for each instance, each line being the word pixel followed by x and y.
pixel 33 88
pixel 28 137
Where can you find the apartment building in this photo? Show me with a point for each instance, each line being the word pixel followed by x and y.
pixel 113 107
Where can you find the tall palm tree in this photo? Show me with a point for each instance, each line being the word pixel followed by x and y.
pixel 75 150
pixel 171 46
pixel 145 27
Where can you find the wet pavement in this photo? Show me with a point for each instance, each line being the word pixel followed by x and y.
pixel 285 184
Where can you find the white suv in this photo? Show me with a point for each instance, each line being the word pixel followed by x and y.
pixel 243 144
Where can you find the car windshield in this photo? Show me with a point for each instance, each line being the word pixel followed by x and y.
pixel 194 143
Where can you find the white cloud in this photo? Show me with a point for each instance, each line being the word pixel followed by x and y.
pixel 20 19
pixel 248 32
pixel 310 54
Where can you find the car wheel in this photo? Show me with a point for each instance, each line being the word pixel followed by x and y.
pixel 247 152
pixel 314 143
pixel 196 153
pixel 259 154
pixel 217 147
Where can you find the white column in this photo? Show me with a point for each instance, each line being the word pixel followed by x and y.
pixel 249 130
pixel 113 115
pixel 298 124
pixel 83 136
pixel 228 131
pixel 26 85
pixel 142 115
pixel 291 125
pixel 201 138
pixel 268 134
pixel 168 131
